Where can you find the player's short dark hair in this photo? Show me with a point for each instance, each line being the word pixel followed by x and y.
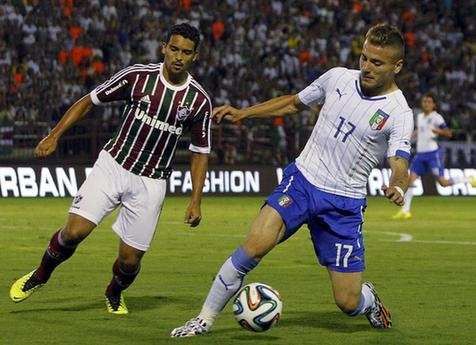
pixel 385 35
pixel 185 30
pixel 432 96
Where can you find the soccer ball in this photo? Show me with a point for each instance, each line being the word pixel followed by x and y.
pixel 257 307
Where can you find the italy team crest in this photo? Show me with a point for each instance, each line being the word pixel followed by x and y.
pixel 377 121
pixel 183 112
pixel 284 201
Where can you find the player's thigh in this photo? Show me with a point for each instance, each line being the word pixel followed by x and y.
pixel 437 167
pixel 266 231
pixel 346 287
pixel 419 165
pixel 290 199
pixel 336 232
pixel 100 193
pixel 141 207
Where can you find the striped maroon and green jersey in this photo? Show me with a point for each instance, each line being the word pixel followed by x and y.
pixel 154 115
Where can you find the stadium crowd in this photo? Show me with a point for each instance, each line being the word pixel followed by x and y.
pixel 54 51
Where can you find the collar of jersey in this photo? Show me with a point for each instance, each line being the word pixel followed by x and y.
pixel 171 86
pixel 357 86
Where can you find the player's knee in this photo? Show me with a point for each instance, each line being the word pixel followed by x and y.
pixel 76 229
pixel 72 234
pixel 129 261
pixel 347 302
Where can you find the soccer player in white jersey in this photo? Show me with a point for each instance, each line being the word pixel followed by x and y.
pixel 160 101
pixel 364 117
pixel 430 125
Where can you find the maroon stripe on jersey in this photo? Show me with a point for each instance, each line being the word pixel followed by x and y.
pixel 145 130
pixel 198 103
pixel 166 146
pixel 129 118
pixel 158 149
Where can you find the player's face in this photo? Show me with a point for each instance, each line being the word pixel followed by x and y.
pixel 179 53
pixel 378 67
pixel 428 104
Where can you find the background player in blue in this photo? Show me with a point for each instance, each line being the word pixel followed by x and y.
pixel 363 116
pixel 430 125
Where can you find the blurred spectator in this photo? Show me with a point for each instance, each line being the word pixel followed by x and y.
pixel 53 52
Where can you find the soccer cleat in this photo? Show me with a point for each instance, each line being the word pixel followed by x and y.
pixel 195 326
pixel 402 215
pixel 23 288
pixel 116 305
pixel 378 315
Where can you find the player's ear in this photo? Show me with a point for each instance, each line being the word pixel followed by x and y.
pixel 164 44
pixel 398 66
pixel 195 56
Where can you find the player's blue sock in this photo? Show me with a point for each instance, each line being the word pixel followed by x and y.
pixel 227 282
pixel 367 299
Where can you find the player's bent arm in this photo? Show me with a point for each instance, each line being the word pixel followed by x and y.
pixel 444 132
pixel 278 106
pixel 75 113
pixel 399 177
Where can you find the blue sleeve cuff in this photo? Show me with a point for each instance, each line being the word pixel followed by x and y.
pixel 403 154
pixel 443 126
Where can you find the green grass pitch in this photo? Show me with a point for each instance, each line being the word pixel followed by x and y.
pixel 427 282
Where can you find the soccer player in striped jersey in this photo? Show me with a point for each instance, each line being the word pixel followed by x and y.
pixel 160 102
pixel 428 159
pixel 364 117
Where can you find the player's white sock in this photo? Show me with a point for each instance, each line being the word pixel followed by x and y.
pixel 227 282
pixel 367 299
pixel 459 179
pixel 408 199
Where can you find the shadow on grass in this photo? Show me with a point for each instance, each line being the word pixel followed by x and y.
pixel 133 303
pixel 334 321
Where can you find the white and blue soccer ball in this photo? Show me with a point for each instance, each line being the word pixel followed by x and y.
pixel 257 307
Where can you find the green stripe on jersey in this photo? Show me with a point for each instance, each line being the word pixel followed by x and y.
pixel 134 131
pixel 164 109
pixel 169 148
pixel 110 144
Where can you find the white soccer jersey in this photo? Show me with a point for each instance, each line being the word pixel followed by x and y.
pixel 426 139
pixel 352 133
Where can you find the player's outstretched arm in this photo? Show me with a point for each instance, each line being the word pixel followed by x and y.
pixel 198 169
pixel 398 180
pixel 278 106
pixel 76 112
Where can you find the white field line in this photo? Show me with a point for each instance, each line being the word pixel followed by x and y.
pixel 402 237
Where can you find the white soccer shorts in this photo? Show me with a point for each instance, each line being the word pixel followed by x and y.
pixel 110 185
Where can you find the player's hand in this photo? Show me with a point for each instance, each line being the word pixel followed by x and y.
pixel 46 146
pixel 228 112
pixel 393 194
pixel 193 215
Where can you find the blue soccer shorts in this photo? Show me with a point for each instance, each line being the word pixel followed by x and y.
pixel 428 162
pixel 334 221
